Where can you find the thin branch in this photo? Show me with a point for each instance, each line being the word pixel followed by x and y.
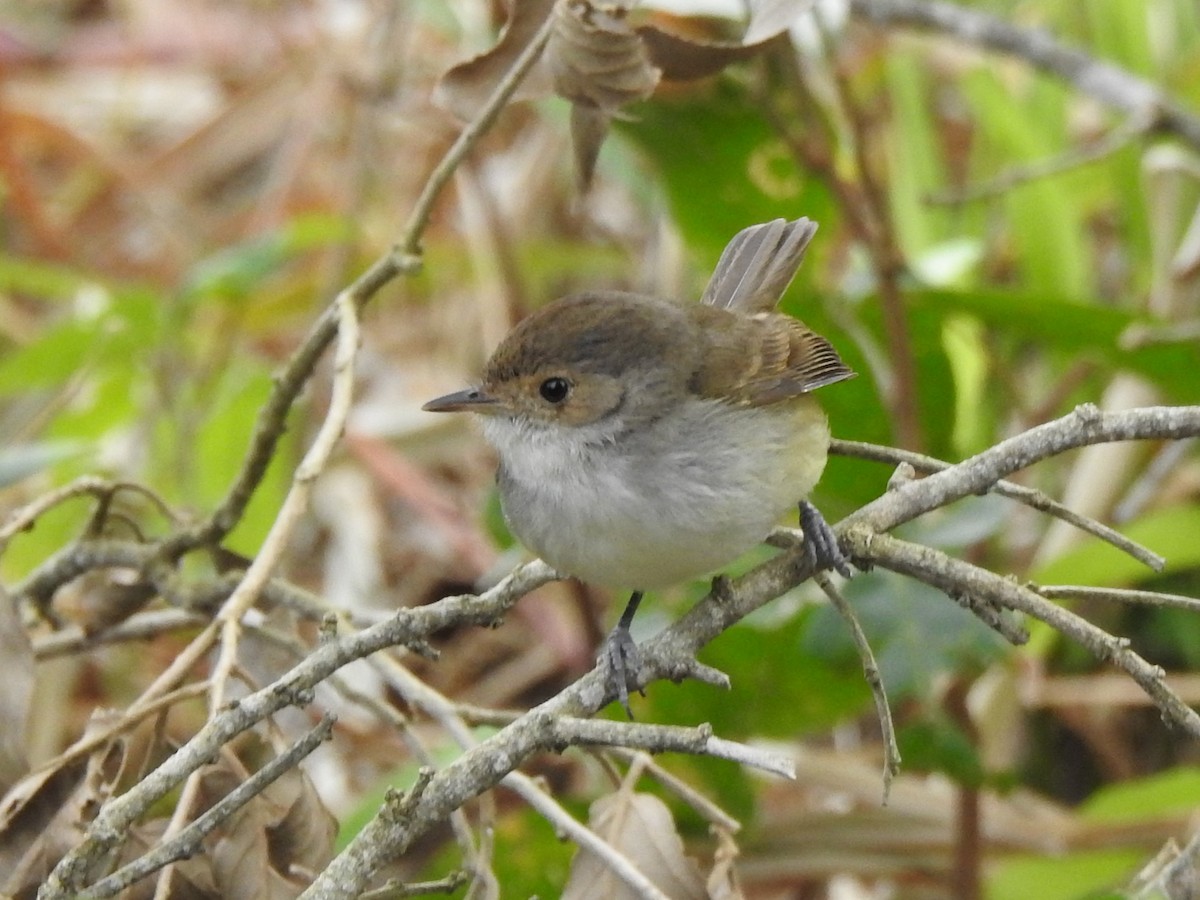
pixel 88 485
pixel 680 788
pixel 141 627
pixel 1108 83
pixel 891 751
pixel 295 504
pixel 1137 126
pixel 1085 426
pixel 294 688
pixel 664 738
pixel 1173 873
pixel 394 887
pixel 1116 595
pixel 188 842
pixel 936 568
pixel 1029 496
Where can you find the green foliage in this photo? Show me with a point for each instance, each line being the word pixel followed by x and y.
pixel 1098 873
pixel 937 744
pixel 1170 531
pixel 1084 875
pixel 721 165
pixel 1171 793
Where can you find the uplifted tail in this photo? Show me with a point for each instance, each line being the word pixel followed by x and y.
pixel 758 264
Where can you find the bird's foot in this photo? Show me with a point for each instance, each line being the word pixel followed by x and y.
pixel 622 661
pixel 820 543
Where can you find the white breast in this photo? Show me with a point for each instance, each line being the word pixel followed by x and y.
pixel 625 512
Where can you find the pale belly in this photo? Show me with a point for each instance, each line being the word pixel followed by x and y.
pixel 626 516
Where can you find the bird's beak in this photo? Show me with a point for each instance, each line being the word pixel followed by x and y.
pixel 470 400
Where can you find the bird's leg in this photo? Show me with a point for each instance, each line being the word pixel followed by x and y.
pixel 621 653
pixel 820 543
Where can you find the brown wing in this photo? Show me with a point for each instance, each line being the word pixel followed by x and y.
pixel 758 264
pixel 762 359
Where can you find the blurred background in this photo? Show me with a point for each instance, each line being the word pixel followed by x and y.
pixel 185 185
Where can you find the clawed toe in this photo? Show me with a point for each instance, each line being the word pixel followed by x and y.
pixel 820 543
pixel 622 661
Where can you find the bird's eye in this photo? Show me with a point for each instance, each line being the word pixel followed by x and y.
pixel 555 390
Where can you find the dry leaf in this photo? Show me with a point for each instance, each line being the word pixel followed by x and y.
pixel 44 815
pixel 641 828
pixel 596 59
pixel 599 63
pixel 682 59
pixel 465 88
pixel 270 847
pixel 722 880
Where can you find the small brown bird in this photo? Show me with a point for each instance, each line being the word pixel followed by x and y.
pixel 644 442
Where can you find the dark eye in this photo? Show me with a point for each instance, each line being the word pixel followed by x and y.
pixel 555 390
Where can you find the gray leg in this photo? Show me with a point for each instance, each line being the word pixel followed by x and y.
pixel 621 654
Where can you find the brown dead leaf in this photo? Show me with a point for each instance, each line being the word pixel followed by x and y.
pixel 641 828
pixel 683 59
pixel 302 838
pixel 465 88
pixel 271 847
pixel 43 815
pixel 722 880
pixel 601 63
pixel 595 58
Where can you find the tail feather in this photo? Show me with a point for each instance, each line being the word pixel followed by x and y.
pixel 758 264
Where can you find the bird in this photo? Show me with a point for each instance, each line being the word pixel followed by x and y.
pixel 643 442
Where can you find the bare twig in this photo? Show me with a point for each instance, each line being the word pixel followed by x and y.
pixel 1123 135
pixel 92 485
pixel 296 503
pixel 1117 595
pixel 680 788
pixel 891 751
pixel 187 842
pixel 1085 426
pixel 1110 84
pixel 1029 496
pixel 663 738
pixel 141 627
pixel 293 689
pixel 946 573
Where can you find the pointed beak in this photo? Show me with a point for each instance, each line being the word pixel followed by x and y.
pixel 470 400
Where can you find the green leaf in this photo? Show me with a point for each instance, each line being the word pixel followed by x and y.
pixel 51 282
pixel 722 165
pixel 1154 797
pixel 1046 223
pixel 1084 332
pixel 1169 532
pixel 1073 876
pixel 939 745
